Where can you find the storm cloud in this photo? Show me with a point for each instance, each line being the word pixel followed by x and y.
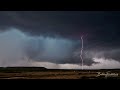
pixel 54 36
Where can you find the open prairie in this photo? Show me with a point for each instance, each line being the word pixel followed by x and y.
pixel 43 73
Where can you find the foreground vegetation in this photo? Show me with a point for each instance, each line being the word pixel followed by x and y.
pixel 43 73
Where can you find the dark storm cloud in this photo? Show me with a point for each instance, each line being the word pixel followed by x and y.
pixel 100 27
pixel 51 22
pixel 66 23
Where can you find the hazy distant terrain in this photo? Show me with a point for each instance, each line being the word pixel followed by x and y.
pixel 43 73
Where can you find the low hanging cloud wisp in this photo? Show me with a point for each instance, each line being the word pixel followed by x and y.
pixel 103 64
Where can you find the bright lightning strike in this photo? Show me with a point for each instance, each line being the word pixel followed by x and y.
pixel 81 53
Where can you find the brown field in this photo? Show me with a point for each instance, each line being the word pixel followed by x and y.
pixel 45 75
pixel 53 74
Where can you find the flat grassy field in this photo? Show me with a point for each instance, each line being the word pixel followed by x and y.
pixel 43 73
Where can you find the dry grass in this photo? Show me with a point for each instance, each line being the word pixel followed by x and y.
pixel 49 75
pixel 41 75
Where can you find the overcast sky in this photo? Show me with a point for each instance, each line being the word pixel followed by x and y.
pixel 53 38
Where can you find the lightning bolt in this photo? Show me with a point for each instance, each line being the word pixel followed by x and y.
pixel 81 53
